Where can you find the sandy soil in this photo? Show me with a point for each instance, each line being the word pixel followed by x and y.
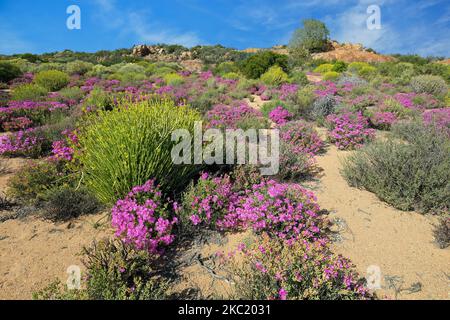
pixel 34 252
pixel 372 233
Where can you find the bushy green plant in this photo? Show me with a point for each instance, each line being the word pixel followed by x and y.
pixel 114 271
pixel 331 75
pixel 324 106
pixel 33 182
pixel 52 80
pixel 78 67
pixel 8 71
pixel 274 76
pixel 231 76
pixel 437 69
pixel 270 269
pixel 354 67
pixel 226 67
pixel 434 85
pixel 298 77
pixel 313 37
pixel 131 144
pixel 99 99
pixel 367 72
pixel 72 93
pixel 326 67
pixel 339 66
pixel 66 202
pixel 29 91
pixel 413 174
pixel 267 107
pixel 256 65
pixel 173 79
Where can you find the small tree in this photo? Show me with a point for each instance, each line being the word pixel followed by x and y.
pixel 313 37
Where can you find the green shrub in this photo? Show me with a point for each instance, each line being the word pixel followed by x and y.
pixel 267 107
pixel 299 78
pixel 52 80
pixel 33 182
pixel 99 99
pixel 131 144
pixel 66 203
pixel 413 174
pixel 274 76
pixel 324 106
pixel 72 93
pixel 326 67
pixel 29 91
pixel 331 75
pixel 313 37
pixel 226 67
pixel 231 76
pixel 339 66
pixel 304 101
pixel 8 71
pixel 437 69
pixel 173 79
pixel 270 269
pixel 434 85
pixel 367 72
pixel 78 67
pixel 114 271
pixel 442 233
pixel 255 66
pixel 354 67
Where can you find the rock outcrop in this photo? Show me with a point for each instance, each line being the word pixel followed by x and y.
pixel 349 52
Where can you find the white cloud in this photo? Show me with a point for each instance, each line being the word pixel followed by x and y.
pixel 136 24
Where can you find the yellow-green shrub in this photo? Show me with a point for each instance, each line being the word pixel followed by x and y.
pixel 52 80
pixel 173 79
pixel 28 91
pixel 323 68
pixel 231 76
pixel 367 71
pixel 356 66
pixel 131 144
pixel 274 76
pixel 331 75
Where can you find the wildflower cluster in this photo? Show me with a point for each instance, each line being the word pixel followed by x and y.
pixel 349 130
pixel 143 219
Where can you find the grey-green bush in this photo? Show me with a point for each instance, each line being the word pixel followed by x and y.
pixel 410 170
pixel 434 85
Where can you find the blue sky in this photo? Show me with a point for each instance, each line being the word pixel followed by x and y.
pixel 421 26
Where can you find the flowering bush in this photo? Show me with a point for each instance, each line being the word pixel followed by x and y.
pixel 21 143
pixel 383 120
pixel 223 116
pixel 284 211
pixel 23 114
pixel 208 201
pixel 143 220
pixel 349 130
pixel 439 117
pixel 272 270
pixel 302 137
pixel 279 115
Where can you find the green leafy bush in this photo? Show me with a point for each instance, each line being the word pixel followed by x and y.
pixel 8 71
pixel 78 67
pixel 173 79
pixel 298 77
pixel 226 67
pixel 131 144
pixel 114 271
pixel 255 66
pixel 434 85
pixel 231 76
pixel 413 174
pixel 270 269
pixel 331 75
pixel 274 76
pixel 313 37
pixel 339 66
pixel 66 203
pixel 367 72
pixel 33 182
pixel 326 67
pixel 52 80
pixel 28 91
